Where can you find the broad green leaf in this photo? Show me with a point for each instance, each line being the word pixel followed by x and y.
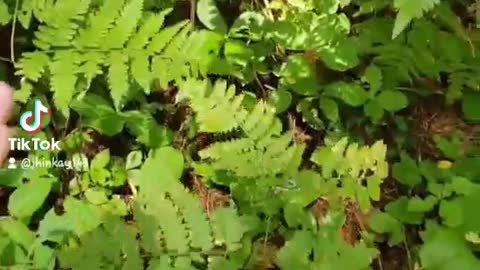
pixel 373 76
pixel 29 197
pixel 54 228
pixel 451 212
pixel 350 93
pixel 134 160
pixel 210 16
pixel 452 148
pixel 238 52
pixel 281 100
pixel 416 204
pixel 98 114
pixel 44 257
pixel 470 106
pixel 330 108
pixel 82 216
pixel 147 130
pixel 101 160
pixel 342 58
pixel 392 100
pixel 99 176
pixel 406 171
pixel 399 210
pixel 445 249
pixel 384 223
pixel 12 177
pixel 18 232
pixel 164 165
pixel 96 196
pixel 373 110
pixel 4 14
pixel 298 75
pixel 463 186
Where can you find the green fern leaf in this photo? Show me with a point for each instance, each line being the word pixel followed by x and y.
pixel 32 65
pixel 40 8
pixel 64 79
pixel 149 28
pixel 99 24
pixel 23 95
pixel 118 77
pixel 160 70
pixel 228 229
pixel 161 263
pixel 408 11
pixel 140 68
pixel 148 228
pixel 124 27
pixel 174 47
pixel 161 40
pixel 194 216
pixel 217 108
pixel 92 65
pixel 60 30
pixel 174 231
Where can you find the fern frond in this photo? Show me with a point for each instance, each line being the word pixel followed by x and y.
pixel 161 40
pixel 171 224
pixel 352 165
pixel 199 231
pixel 149 28
pixel 59 31
pixel 408 10
pixel 124 26
pixel 32 65
pixel 217 108
pixel 91 65
pixel 140 69
pixel 99 24
pixel 115 37
pixel 261 151
pixel 63 80
pixel 118 77
pixel 247 158
pixel 228 229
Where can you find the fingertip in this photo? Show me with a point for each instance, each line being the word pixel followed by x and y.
pixel 5 133
pixel 6 102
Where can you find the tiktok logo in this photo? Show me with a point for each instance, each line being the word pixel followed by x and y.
pixel 30 121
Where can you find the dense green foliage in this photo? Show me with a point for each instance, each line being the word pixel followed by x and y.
pixel 230 135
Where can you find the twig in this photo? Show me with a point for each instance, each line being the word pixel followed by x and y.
pixel 264 93
pixel 4 59
pixel 12 34
pixel 193 11
pixel 409 256
pixel 132 187
pixel 380 264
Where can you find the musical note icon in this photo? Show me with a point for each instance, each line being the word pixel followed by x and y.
pixel 31 121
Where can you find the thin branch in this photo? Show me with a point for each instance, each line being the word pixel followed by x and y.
pixel 12 34
pixel 4 59
pixel 193 12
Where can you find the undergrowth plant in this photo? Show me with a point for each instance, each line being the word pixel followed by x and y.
pixel 226 135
